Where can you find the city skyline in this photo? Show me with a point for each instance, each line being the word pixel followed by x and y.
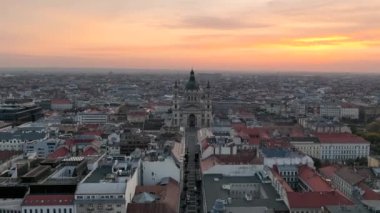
pixel 294 35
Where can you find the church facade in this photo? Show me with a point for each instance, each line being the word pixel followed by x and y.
pixel 192 105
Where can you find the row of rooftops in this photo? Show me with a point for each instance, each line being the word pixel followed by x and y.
pixel 24 134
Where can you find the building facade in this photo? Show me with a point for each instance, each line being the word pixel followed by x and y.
pixel 92 118
pixel 61 104
pixel 42 148
pixel 333 146
pixel 15 139
pixel 52 203
pixel 194 108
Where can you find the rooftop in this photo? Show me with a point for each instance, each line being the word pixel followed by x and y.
pixel 213 189
pixel 312 179
pixel 300 200
pixel 349 175
pixel 156 198
pixel 340 138
pixel 48 200
pixel 103 188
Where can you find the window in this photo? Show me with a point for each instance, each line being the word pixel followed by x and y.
pixel 100 206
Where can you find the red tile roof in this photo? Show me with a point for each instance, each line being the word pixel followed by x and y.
pixel 60 152
pixel 328 171
pixel 348 105
pixel 369 194
pixel 89 150
pixel 248 157
pixel 297 132
pixel 280 179
pixel 169 198
pixel 277 143
pixel 298 200
pixel 312 179
pixel 339 138
pixel 48 200
pixel 238 126
pixel 6 155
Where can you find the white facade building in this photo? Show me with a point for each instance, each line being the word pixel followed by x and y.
pixel 14 139
pixel 333 146
pixel 92 118
pixel 327 110
pixel 109 187
pixel 339 111
pixel 41 148
pixel 350 112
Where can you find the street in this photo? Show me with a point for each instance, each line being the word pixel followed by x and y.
pixel 191 198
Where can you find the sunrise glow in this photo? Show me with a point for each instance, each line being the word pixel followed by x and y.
pixel 241 35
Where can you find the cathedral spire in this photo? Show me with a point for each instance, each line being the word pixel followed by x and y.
pixel 192 84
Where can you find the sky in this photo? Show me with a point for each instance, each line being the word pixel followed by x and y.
pixel 244 35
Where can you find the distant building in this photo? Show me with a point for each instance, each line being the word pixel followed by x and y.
pixel 61 104
pixel 130 141
pixel 19 114
pixel 15 139
pixel 349 111
pixel 41 148
pixel 281 156
pixel 322 125
pixel 194 109
pixel 92 118
pixel 344 110
pixel 342 146
pixel 330 110
pixel 137 116
pixel 333 146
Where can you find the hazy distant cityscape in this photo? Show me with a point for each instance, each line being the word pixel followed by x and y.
pixel 180 142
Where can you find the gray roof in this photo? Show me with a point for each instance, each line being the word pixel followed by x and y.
pixel 145 197
pixel 343 209
pixel 101 188
pixel 349 175
pixel 213 191
pixel 24 134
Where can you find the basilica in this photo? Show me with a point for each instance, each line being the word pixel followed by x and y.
pixel 192 105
